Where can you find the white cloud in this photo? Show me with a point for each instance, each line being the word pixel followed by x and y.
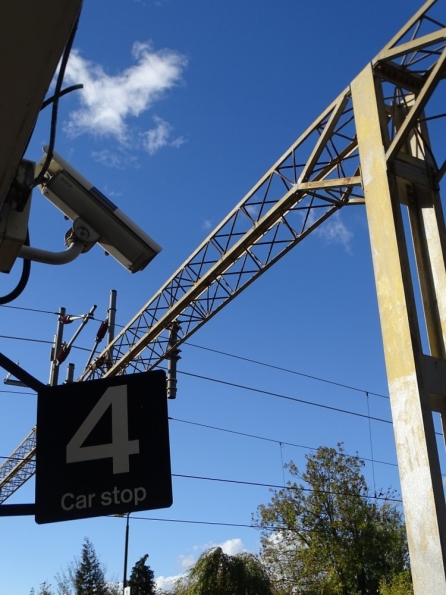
pixel 253 210
pixel 166 583
pixel 187 561
pixel 160 136
pixel 335 231
pixel 231 547
pixel 108 101
pixel 207 224
pixel 113 159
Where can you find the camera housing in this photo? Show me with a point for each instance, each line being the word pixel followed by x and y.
pixel 77 198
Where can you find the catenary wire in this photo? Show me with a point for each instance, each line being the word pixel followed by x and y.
pixel 226 354
pixel 214 523
pixel 38 311
pixel 244 387
pixel 286 397
pixel 219 524
pixel 339 410
pixel 29 340
pixel 254 436
pixel 329 407
pixel 143 518
pixel 286 487
pixel 235 385
pixel 245 434
pixel 282 369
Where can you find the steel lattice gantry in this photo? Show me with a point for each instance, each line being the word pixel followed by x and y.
pixel 370 145
pixel 19 467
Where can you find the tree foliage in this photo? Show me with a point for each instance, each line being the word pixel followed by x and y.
pixel 326 536
pixel 142 578
pixel 398 584
pixel 216 573
pixel 44 589
pixel 89 577
pixel 85 575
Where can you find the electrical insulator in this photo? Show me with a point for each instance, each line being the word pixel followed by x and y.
pixel 63 354
pixel 102 330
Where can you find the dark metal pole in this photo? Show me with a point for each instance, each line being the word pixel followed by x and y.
pixel 126 551
pixel 111 317
pixel 57 345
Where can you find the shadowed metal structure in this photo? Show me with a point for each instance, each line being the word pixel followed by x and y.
pixel 372 146
pixel 19 467
pixel 32 39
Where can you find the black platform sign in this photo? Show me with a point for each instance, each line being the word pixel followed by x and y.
pixel 102 448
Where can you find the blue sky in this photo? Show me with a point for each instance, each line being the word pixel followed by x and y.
pixel 185 105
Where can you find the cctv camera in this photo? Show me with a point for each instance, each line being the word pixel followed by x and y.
pixel 77 198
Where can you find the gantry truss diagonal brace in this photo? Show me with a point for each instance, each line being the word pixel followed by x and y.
pixel 316 177
pixel 371 144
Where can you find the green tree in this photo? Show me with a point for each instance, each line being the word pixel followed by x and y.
pixel 325 535
pixel 89 577
pixel 216 573
pixel 142 578
pixel 398 584
pixel 44 589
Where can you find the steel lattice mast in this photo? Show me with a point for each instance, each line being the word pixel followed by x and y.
pixel 370 145
pixel 19 467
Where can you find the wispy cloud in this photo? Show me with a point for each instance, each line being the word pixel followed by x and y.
pixel 108 102
pixel 231 547
pixel 115 159
pixel 166 583
pixel 334 231
pixel 161 136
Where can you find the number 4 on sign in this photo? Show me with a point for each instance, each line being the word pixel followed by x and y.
pixel 120 447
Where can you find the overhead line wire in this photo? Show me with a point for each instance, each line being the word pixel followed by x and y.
pixel 340 410
pixel 28 309
pixel 143 518
pixel 226 354
pixel 281 487
pixel 270 439
pixel 245 434
pixel 278 395
pixel 240 357
pixel 288 487
pixel 213 523
pixel 282 369
pixel 46 342
pixel 38 311
pixel 286 397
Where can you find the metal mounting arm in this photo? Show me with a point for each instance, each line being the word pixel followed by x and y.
pixel 47 257
pixel 79 239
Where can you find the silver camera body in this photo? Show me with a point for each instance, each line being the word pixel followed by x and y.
pixel 77 198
